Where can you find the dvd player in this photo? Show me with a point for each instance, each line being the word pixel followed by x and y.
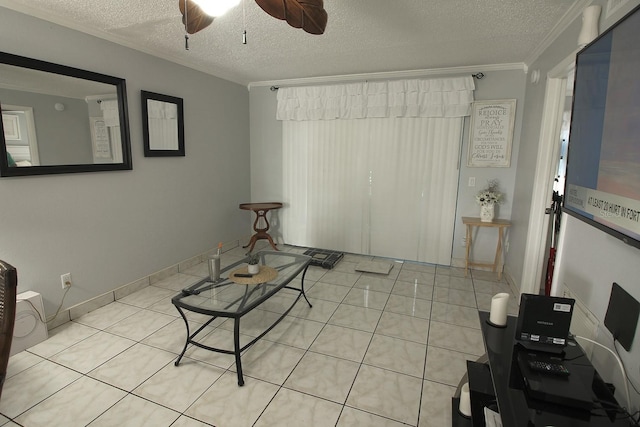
pixel 568 390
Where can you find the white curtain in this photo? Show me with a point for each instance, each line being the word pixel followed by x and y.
pixel 372 167
pixel 384 187
pixel 111 115
pixel 110 112
pixel 445 97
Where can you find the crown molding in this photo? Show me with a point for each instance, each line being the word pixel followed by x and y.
pixel 570 15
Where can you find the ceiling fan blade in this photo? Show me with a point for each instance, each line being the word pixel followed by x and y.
pixel 195 18
pixel 306 14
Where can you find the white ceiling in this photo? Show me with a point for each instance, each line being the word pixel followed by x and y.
pixel 362 36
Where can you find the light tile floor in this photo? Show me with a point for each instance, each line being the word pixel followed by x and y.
pixel 375 350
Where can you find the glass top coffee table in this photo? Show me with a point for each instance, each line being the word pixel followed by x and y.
pixel 233 296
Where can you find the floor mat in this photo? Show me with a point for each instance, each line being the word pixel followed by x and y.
pixel 379 267
pixel 324 258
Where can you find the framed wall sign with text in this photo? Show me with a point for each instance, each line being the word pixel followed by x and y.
pixel 491 133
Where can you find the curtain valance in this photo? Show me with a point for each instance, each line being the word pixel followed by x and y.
pixel 161 110
pixel 443 97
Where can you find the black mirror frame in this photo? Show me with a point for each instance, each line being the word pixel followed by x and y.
pixel 35 64
pixel 148 152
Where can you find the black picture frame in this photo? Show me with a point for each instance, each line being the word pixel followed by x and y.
pixel 153 148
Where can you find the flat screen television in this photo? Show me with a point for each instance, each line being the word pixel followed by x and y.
pixel 603 162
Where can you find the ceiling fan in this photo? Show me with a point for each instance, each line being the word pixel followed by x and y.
pixel 309 15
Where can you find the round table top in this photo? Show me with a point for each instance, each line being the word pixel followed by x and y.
pixel 260 206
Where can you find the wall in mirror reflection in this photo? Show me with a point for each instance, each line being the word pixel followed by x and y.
pixel 46 130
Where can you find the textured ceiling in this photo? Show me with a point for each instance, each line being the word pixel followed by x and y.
pixel 362 36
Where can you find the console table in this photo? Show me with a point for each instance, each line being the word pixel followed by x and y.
pixel 501 225
pixel 233 296
pixel 260 225
pixel 502 379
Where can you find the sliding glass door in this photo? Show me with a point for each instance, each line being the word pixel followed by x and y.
pixel 379 186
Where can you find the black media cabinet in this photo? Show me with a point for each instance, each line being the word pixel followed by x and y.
pixel 500 382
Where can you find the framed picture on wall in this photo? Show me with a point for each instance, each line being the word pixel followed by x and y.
pixel 100 141
pixel 491 133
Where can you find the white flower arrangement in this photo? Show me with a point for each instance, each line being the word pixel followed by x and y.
pixel 490 195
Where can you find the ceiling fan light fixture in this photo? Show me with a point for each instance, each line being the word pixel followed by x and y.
pixel 216 7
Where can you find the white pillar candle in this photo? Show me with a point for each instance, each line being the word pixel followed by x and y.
pixel 589 31
pixel 498 313
pixel 465 401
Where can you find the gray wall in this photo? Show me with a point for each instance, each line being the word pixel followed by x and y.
pixel 266 154
pixel 111 228
pixel 495 85
pixel 266 157
pixel 589 262
pixel 560 49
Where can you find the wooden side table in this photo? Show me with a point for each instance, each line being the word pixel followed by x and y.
pixel 500 224
pixel 260 225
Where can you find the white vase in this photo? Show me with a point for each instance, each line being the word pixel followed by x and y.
pixel 487 212
pixel 589 31
pixel 253 268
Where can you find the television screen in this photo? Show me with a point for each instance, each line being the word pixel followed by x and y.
pixel 603 162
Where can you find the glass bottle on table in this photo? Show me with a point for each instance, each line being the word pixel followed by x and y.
pixel 214 264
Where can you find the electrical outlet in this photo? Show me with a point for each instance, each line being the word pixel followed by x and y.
pixel 472 181
pixel 66 280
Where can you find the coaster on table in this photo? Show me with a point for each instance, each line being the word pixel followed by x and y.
pixel 266 274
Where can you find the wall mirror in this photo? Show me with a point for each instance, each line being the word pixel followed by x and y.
pixel 59 119
pixel 163 125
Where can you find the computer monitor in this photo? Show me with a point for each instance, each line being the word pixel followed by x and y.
pixel 622 316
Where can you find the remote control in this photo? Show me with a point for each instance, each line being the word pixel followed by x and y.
pixel 243 275
pixel 549 368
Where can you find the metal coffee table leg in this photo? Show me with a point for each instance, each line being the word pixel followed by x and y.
pixel 236 346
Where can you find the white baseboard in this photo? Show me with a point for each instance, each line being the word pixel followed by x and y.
pixel 120 292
